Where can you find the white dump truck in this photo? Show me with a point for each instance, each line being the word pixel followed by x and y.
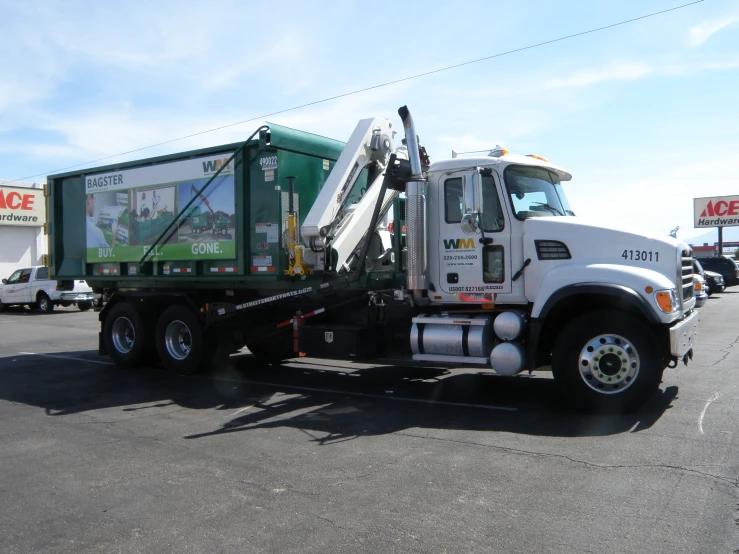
pixel 486 265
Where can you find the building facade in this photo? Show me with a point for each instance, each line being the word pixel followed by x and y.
pixel 22 217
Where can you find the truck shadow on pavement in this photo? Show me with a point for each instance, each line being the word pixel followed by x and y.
pixel 328 401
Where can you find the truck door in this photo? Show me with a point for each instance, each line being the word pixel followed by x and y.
pixel 467 267
pixel 23 288
pixel 10 285
pixel 15 287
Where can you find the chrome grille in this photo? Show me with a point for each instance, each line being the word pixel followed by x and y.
pixel 686 275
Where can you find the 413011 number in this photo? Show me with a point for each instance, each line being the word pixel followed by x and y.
pixel 640 255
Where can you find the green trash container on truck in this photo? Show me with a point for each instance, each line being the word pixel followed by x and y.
pixel 188 253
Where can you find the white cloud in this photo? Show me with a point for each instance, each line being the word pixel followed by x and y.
pixel 618 71
pixel 701 32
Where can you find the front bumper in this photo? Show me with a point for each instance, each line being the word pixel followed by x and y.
pixel 682 335
pixel 78 296
pixel 700 300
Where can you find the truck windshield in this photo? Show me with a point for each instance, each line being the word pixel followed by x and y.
pixel 535 192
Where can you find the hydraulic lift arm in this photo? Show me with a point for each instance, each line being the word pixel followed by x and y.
pixel 332 222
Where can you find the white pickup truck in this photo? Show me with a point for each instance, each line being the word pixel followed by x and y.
pixel 33 287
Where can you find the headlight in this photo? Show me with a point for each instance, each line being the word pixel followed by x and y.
pixel 667 300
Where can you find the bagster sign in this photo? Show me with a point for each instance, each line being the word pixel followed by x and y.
pixel 22 206
pixel 718 211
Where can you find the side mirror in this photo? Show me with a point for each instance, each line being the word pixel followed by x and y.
pixel 472 193
pixel 5 281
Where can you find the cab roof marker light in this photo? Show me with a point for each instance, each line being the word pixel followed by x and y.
pixel 537 157
pixel 498 151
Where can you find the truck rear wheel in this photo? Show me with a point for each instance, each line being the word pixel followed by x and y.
pixel 183 344
pixel 607 361
pixel 44 303
pixel 126 338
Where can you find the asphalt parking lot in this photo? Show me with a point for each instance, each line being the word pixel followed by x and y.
pixel 318 456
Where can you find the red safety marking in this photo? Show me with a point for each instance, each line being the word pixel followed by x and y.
pixel 181 270
pixel 223 269
pixel 309 314
pixel 263 268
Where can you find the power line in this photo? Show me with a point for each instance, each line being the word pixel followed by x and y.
pixel 373 87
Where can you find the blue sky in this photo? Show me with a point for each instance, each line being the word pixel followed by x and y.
pixel 645 116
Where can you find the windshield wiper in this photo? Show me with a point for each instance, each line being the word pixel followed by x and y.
pixel 549 207
pixel 570 212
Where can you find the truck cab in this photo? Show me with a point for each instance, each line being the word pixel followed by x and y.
pixel 511 278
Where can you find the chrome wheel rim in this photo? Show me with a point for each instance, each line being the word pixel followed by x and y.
pixel 123 335
pixel 609 364
pixel 43 303
pixel 178 340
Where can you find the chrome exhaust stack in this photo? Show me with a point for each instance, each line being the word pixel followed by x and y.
pixel 415 214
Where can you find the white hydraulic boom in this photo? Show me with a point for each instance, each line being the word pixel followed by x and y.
pixel 333 223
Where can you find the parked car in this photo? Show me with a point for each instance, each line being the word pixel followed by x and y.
pixel 699 290
pixel 714 281
pixel 32 286
pixel 725 266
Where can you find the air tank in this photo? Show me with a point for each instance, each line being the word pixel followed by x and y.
pixel 508 358
pixel 509 325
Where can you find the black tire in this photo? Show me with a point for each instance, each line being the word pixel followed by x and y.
pixel 84 305
pixel 184 345
pixel 2 307
pixel 44 303
pixel 274 349
pixel 128 339
pixel 607 361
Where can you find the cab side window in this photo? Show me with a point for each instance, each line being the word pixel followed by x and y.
pixel 25 276
pixel 492 212
pixel 42 273
pixel 14 277
pixel 453 200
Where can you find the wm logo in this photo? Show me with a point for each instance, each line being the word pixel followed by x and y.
pixel 459 244
pixel 214 165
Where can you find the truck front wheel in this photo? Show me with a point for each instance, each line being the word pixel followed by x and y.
pixel 126 338
pixel 183 344
pixel 607 361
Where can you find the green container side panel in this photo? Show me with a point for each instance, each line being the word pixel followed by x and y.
pixel 256 225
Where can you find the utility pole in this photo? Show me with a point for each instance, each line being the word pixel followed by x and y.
pixel 720 241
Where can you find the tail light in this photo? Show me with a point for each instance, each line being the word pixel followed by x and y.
pixel 390 227
pixel 58 288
